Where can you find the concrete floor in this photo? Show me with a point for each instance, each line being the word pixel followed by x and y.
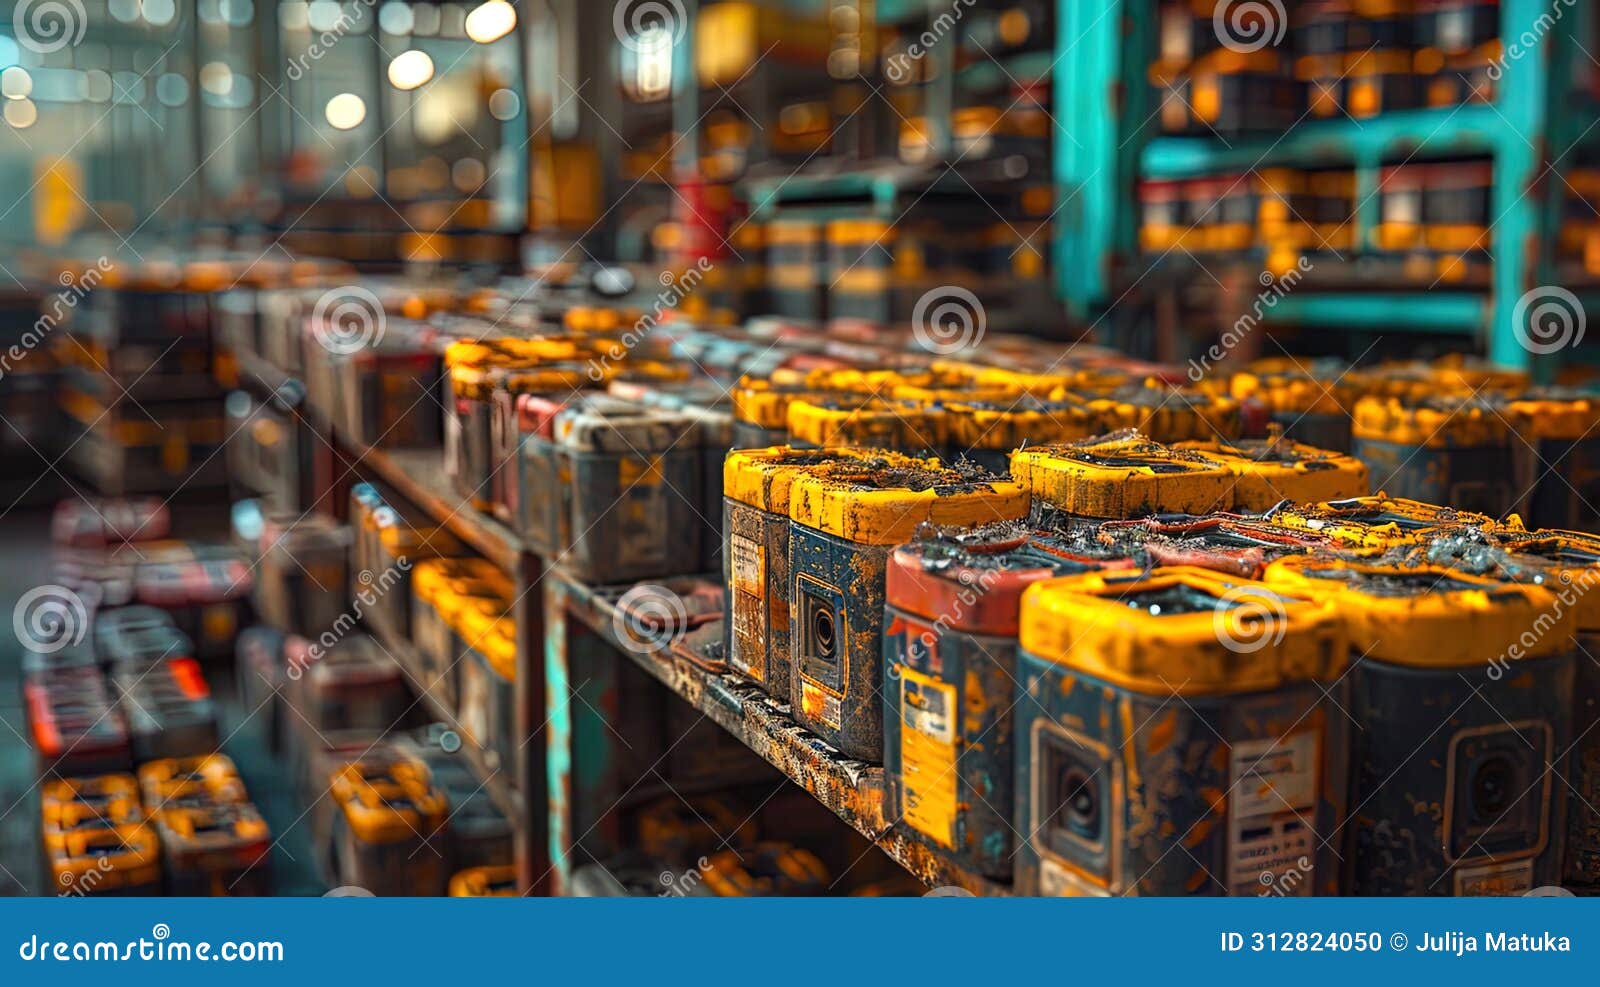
pixel 24 547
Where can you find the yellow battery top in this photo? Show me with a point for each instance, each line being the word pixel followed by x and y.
pixel 852 420
pixel 1475 375
pixel 766 403
pixel 1436 422
pixel 1380 521
pixel 1040 385
pixel 1122 477
pixel 173 777
pixel 122 856
pixel 1016 422
pixel 1269 471
pixel 236 822
pixel 403 540
pixel 93 789
pixel 388 801
pixel 918 394
pixel 1166 413
pixel 58 819
pixel 1425 616
pixel 1287 385
pixel 727 876
pixel 496 881
pixel 511 351
pixel 1552 413
pixel 761 478
pixel 1182 630
pixel 883 504
pixel 432 577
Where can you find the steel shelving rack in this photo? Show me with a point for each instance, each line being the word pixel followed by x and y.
pixel 1104 102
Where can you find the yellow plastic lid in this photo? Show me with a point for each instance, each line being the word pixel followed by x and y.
pixel 883 505
pixel 761 478
pixel 1268 471
pixel 856 421
pixel 1122 477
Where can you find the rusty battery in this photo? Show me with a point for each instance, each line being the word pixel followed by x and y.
pixel 1173 737
pixel 390 827
pixel 868 422
pixel 216 851
pixel 1121 476
pixel 117 860
pixel 1439 450
pixel 499 881
pixel 74 722
pixel 1557 433
pixel 1268 471
pixel 987 431
pixel 950 652
pixel 1454 785
pixel 845 520
pixel 1380 522
pixel 168 707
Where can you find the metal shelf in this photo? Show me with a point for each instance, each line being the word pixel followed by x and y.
pixel 852 790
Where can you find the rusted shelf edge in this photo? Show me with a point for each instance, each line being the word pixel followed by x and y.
pixel 496 781
pixel 852 790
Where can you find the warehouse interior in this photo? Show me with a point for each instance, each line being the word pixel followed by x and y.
pixel 718 448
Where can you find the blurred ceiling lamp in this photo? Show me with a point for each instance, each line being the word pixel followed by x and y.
pixel 491 21
pixel 216 78
pixel 21 113
pixel 410 69
pixel 345 111
pixel 15 82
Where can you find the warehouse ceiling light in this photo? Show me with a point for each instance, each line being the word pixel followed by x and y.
pixel 410 69
pixel 491 21
pixel 15 82
pixel 21 113
pixel 345 111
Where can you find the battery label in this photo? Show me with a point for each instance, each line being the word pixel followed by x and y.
pixel 1513 878
pixel 1271 806
pixel 748 562
pixel 928 755
pixel 819 705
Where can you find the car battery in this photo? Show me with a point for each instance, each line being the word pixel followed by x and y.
pixel 950 652
pixel 1163 413
pixel 442 589
pixel 1121 477
pixel 216 851
pixel 1457 215
pixel 1242 774
pixel 1227 543
pixel 207 593
pixel 715 428
pixel 259 676
pixel 1269 471
pixel 846 517
pixel 485 882
pixel 386 594
pixel 488 673
pixel 106 860
pixel 766 870
pixel 113 797
pixel 180 782
pixel 987 431
pixel 1439 450
pixel 137 636
pixel 515 389
pixel 387 388
pixel 536 496
pixel 102 522
pixel 168 708
pixel 796 263
pixel 390 827
pixel 1238 91
pixel 1457 43
pixel 479 834
pixel 633 480
pixel 761 411
pixel 263 450
pixel 74 722
pixel 875 270
pixel 1454 773
pixel 305 575
pixel 352 685
pixel 1556 432
pixel 1380 522
pixel 874 423
pixel 674 830
pixel 756 485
